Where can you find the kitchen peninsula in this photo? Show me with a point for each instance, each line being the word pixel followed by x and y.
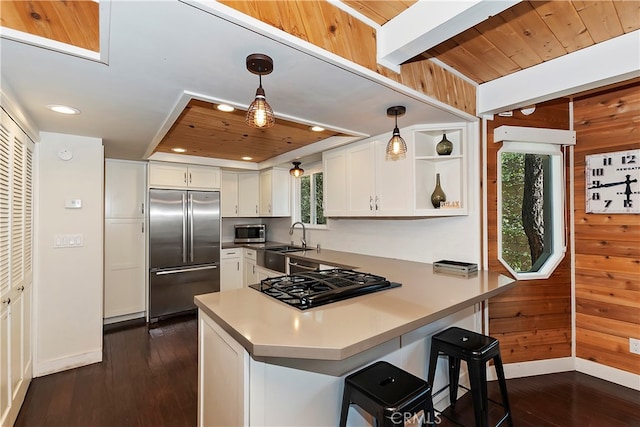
pixel 262 362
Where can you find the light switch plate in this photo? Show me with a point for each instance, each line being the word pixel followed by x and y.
pixel 73 204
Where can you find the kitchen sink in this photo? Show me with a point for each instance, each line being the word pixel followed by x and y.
pixel 274 257
pixel 285 249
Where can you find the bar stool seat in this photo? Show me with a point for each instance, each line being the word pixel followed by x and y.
pixel 390 394
pixel 475 349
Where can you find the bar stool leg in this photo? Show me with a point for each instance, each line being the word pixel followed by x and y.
pixel 433 360
pixel 478 380
pixel 346 402
pixel 454 379
pixel 502 382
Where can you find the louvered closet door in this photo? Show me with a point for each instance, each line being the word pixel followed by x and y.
pixel 5 159
pixel 17 214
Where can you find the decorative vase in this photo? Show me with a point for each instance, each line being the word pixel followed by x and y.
pixel 444 147
pixel 438 195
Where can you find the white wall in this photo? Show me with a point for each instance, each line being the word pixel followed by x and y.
pixel 68 281
pixel 421 240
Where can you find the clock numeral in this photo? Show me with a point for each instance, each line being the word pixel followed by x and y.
pixel 597 172
pixel 607 203
pixel 629 158
pixel 595 196
pixel 607 161
pixel 627 204
pixel 595 184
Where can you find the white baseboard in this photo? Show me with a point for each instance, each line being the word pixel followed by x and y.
pixel 123 318
pixel 536 367
pixel 62 364
pixel 607 373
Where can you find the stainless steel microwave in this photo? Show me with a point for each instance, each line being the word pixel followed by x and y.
pixel 250 233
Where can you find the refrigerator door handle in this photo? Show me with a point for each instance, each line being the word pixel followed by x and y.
pixel 184 270
pixel 184 229
pixel 190 227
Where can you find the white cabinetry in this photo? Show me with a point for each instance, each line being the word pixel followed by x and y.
pixel 177 175
pixel 264 273
pixel 223 376
pixel 334 166
pixel 275 192
pixel 124 240
pixel 366 183
pixel 16 262
pixel 249 265
pixel 231 269
pixel 360 181
pixel 229 194
pixel 239 194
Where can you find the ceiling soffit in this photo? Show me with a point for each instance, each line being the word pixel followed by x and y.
pixel 75 23
pixel 204 131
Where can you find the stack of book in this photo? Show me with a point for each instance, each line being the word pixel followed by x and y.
pixel 455 267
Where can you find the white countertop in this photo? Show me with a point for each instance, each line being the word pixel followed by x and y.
pixel 268 328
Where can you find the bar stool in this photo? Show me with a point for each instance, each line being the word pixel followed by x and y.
pixel 390 394
pixel 476 349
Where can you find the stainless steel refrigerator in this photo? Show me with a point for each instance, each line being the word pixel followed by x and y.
pixel 184 249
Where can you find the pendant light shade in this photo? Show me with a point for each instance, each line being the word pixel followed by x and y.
pixel 296 170
pixel 260 114
pixel 396 147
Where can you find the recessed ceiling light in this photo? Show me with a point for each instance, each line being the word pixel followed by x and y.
pixel 247 158
pixel 225 107
pixel 317 128
pixel 63 109
pixel 179 150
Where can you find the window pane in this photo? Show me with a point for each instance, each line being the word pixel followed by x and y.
pixel 320 219
pixel 526 239
pixel 305 199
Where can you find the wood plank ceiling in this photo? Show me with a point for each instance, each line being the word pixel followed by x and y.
pixel 527 34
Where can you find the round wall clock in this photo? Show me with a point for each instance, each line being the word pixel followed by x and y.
pixel 613 182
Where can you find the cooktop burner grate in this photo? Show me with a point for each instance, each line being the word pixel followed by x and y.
pixel 312 289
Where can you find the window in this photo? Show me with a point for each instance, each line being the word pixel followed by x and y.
pixel 531 201
pixel 310 190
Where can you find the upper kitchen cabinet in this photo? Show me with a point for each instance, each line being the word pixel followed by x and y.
pixel 240 194
pixel 360 181
pixel 334 166
pixel 177 175
pixel 124 197
pixel 275 192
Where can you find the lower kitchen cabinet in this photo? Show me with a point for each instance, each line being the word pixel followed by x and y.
pixel 264 273
pixel 124 267
pixel 231 270
pixel 249 266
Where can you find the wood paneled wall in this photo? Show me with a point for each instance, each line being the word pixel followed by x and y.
pixel 607 245
pixel 332 29
pixel 532 320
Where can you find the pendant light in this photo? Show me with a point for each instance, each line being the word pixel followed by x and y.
pixel 396 147
pixel 260 114
pixel 296 171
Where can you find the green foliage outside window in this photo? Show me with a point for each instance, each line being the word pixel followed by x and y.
pixel 311 199
pixel 515 246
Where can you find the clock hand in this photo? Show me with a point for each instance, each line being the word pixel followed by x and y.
pixel 610 184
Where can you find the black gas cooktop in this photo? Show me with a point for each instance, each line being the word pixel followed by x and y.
pixel 316 288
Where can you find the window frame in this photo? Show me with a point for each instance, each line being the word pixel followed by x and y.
pixel 544 142
pixel 297 197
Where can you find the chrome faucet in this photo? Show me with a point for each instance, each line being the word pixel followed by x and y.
pixel 304 233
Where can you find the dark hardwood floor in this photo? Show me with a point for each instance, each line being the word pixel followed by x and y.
pixel 149 379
